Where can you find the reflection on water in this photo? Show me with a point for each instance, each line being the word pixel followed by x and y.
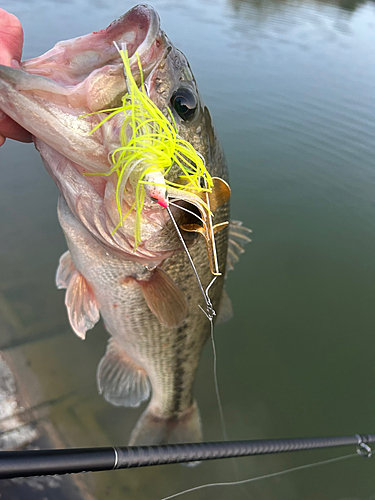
pixel 290 87
pixel 275 5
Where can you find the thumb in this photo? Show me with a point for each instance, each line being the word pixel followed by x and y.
pixel 11 38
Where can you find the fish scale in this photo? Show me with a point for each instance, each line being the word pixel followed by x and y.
pixel 146 294
pixel 131 322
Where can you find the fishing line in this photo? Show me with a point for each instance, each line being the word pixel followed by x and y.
pixel 219 403
pixel 259 478
pixel 186 210
pixel 210 312
pixel 218 397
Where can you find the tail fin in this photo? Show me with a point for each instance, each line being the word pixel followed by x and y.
pixel 151 429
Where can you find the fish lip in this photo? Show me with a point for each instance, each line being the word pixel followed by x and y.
pixel 126 31
pixel 152 32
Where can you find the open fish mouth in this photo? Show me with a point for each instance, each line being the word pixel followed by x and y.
pixel 139 29
pixel 107 134
pixel 79 76
pixel 89 68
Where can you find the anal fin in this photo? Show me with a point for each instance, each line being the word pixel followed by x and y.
pixel 121 381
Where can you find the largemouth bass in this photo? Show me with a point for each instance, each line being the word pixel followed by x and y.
pixel 141 284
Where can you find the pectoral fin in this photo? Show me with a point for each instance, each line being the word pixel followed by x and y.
pixel 120 379
pixel 165 299
pixel 64 271
pixel 80 301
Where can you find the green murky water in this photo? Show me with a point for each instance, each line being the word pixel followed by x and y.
pixel 290 85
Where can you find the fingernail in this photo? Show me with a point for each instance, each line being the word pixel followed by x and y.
pixel 15 64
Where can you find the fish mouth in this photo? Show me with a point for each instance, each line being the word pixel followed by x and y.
pixel 184 214
pixel 84 78
pixel 138 30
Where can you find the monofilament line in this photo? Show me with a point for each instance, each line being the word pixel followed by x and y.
pixel 258 478
pixel 186 210
pixel 210 310
pixel 210 318
pixel 210 313
pixel 218 398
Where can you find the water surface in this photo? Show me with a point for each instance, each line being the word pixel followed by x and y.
pixel 290 85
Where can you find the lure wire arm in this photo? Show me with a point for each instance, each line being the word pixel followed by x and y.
pixel 210 312
pixel 217 272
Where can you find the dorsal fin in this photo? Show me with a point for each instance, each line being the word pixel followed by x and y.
pixel 238 237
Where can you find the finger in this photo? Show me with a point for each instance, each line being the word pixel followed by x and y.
pixel 11 42
pixel 11 129
pixel 11 38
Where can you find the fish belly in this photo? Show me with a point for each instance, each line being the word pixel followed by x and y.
pixel 168 357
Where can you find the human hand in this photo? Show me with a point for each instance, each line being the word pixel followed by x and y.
pixel 11 41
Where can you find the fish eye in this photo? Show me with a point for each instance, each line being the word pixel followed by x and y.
pixel 185 103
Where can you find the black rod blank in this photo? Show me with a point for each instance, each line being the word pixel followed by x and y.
pixel 46 462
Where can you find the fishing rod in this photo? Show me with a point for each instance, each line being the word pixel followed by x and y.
pixel 69 461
